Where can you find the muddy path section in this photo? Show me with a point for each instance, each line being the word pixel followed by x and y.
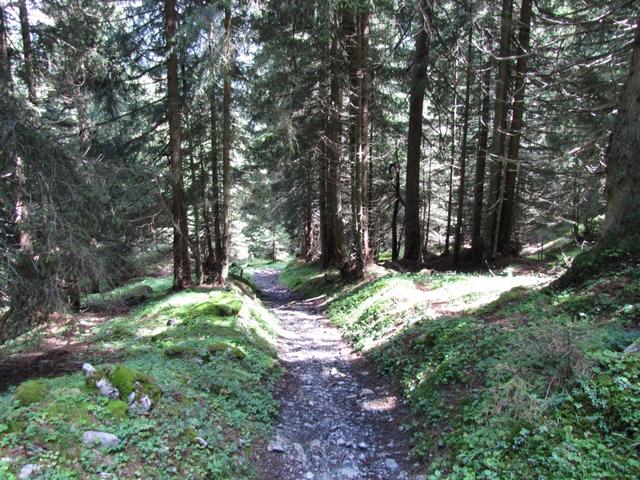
pixel 337 419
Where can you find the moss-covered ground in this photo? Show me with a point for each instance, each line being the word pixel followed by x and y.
pixel 506 377
pixel 211 353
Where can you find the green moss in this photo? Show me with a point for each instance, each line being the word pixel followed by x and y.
pixel 179 350
pixel 31 391
pixel 127 380
pixel 119 332
pixel 117 408
pixel 225 348
pixel 228 309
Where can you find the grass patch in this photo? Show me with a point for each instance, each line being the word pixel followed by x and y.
pixel 506 379
pixel 211 356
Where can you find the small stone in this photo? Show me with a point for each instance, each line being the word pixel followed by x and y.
pixel 202 442
pixel 276 445
pixel 88 370
pixel 363 446
pixel 420 477
pixel 171 322
pixel 101 439
pixel 341 441
pixel 107 390
pixel 366 392
pixel 139 406
pixel 309 476
pixel 349 472
pixel 391 464
pixel 29 471
pixel 302 457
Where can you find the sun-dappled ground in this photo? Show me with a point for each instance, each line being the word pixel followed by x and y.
pixel 211 353
pixel 507 378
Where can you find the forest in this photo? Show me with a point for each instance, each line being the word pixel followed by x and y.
pixel 303 239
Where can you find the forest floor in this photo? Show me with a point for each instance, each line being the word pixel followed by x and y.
pixel 338 419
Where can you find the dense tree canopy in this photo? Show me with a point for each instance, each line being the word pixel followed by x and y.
pixel 335 130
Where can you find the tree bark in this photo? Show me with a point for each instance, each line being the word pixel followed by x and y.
pixel 5 62
pixel 215 191
pixel 505 234
pixel 499 133
pixel 223 261
pixel 27 50
pixel 413 243
pixel 459 240
pixel 394 169
pixel 181 264
pixel 454 121
pixel 336 249
pixel 481 162
pixel 622 190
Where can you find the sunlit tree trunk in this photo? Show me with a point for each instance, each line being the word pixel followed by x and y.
pixel 413 245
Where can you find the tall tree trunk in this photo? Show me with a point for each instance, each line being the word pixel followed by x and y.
pixel 394 170
pixel 622 190
pixel 454 121
pixel 336 249
pixel 215 191
pixel 458 241
pixel 27 50
pixel 505 234
pixel 481 162
pixel 499 133
pixel 412 249
pixel 364 147
pixel 208 263
pixel 223 261
pixel 322 201
pixel 181 264
pixel 5 62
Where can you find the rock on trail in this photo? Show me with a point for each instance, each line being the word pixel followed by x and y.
pixel 337 421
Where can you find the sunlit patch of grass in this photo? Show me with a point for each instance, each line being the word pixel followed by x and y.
pixel 216 384
pixel 505 376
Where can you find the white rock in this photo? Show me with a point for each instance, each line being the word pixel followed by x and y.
pixel 88 370
pixel 309 476
pixel 391 464
pixel 277 445
pixel 202 442
pixel 28 471
pixel 366 392
pixel 102 439
pixel 139 406
pixel 363 445
pixel 107 390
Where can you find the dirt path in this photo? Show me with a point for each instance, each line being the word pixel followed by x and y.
pixel 337 421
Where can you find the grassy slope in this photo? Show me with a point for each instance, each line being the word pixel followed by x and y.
pixel 531 385
pixel 216 373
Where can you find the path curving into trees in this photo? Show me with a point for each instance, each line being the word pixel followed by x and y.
pixel 337 420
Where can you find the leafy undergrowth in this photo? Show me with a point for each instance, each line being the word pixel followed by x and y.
pixel 211 352
pixel 534 385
